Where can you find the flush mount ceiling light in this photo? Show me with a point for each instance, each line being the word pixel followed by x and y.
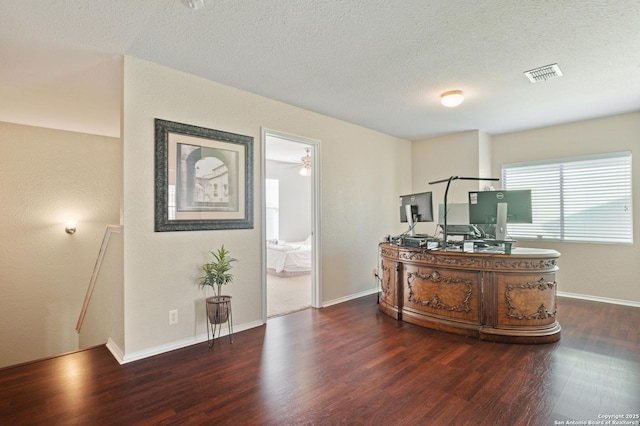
pixel 195 4
pixel 543 73
pixel 452 98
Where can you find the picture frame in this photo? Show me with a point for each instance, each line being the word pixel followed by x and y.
pixel 203 178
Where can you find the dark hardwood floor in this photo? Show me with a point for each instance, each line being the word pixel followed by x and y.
pixel 347 364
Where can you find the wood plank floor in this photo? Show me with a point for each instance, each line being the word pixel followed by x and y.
pixel 347 364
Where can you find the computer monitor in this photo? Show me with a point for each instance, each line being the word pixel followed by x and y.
pixel 420 207
pixel 499 208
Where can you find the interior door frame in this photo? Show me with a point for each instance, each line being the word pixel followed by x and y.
pixel 314 145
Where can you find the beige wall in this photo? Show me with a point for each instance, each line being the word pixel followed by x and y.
pixel 48 176
pixel 600 270
pixel 362 171
pixel 464 154
pixel 44 272
pixel 104 319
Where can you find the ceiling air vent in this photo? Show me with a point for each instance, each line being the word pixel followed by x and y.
pixel 543 73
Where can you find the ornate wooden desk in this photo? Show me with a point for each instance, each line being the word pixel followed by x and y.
pixel 495 297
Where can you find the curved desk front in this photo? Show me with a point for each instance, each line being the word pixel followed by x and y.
pixel 496 297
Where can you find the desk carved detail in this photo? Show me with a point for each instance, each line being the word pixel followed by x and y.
pixel 385 280
pixel 419 256
pixel 449 293
pixel 491 296
pixel 531 301
pixel 388 253
pixel 525 264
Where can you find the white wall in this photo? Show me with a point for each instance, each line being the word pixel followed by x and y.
pixel 295 200
pixel 363 173
pixel 47 177
pixel 600 270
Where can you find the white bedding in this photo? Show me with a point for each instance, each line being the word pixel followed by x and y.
pixel 289 257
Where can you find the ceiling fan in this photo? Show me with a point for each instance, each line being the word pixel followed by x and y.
pixel 305 170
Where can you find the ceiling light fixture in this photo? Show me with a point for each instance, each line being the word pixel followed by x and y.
pixel 306 165
pixel 452 98
pixel 195 4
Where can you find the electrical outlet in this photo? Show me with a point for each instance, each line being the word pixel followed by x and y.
pixel 173 317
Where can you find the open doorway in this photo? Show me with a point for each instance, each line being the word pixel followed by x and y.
pixel 290 225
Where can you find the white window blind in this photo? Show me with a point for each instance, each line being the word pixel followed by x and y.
pixel 272 198
pixel 585 199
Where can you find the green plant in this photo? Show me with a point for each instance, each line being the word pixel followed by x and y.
pixel 216 272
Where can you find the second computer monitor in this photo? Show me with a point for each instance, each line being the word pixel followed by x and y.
pixel 421 207
pixel 499 208
pixel 483 206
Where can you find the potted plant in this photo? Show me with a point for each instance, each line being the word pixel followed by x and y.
pixel 216 274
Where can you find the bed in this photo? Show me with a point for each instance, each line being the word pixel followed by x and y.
pixel 288 259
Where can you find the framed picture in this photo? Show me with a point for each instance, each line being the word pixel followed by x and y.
pixel 204 178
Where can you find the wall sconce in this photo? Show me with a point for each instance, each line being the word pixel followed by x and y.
pixel 70 228
pixel 452 98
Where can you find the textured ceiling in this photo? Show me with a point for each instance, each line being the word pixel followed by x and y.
pixel 381 64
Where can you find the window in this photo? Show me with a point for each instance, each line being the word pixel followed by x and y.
pixel 272 198
pixel 585 199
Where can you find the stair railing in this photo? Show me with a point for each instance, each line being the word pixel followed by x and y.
pixel 96 271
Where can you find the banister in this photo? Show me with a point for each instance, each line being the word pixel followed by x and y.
pixel 110 229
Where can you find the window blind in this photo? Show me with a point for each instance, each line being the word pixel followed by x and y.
pixel 583 199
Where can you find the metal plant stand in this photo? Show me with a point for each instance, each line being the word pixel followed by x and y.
pixel 218 312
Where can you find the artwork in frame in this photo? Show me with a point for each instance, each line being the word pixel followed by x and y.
pixel 204 178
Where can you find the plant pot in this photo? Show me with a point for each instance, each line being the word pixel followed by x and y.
pixel 218 309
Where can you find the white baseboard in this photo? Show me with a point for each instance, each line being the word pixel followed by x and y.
pixel 599 299
pixel 172 346
pixel 350 297
pixel 115 350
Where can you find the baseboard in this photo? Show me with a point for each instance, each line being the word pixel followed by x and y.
pixel 350 297
pixel 600 299
pixel 179 344
pixel 115 351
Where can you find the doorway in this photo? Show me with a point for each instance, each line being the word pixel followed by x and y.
pixel 290 206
